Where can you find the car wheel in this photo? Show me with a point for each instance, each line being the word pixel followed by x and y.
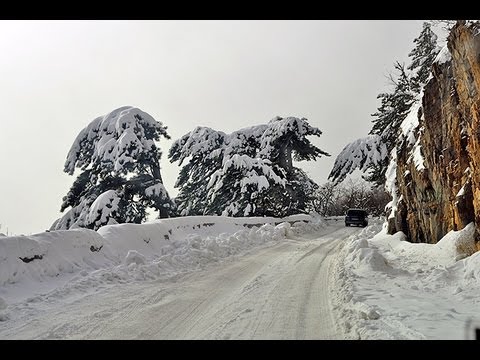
pixel 347 224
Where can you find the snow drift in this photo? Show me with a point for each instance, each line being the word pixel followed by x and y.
pixel 426 292
pixel 49 254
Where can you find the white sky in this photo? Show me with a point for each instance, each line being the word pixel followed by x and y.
pixel 57 76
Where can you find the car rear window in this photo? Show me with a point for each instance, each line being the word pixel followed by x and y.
pixel 356 213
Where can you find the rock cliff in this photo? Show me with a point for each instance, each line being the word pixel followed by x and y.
pixel 438 153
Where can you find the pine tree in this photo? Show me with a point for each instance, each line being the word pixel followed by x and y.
pixel 286 139
pixel 368 153
pixel 241 186
pixel 248 172
pixel 202 147
pixel 120 178
pixel 244 185
pixel 302 191
pixel 388 118
pixel 394 108
pixel 422 56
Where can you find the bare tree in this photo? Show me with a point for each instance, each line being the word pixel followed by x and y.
pixel 326 198
pixel 353 195
pixel 379 198
pixel 335 200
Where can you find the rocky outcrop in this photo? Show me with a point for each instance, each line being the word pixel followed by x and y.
pixel 438 161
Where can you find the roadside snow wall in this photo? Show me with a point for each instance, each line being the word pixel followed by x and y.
pixel 181 242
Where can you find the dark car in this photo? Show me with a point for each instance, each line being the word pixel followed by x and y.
pixel 356 217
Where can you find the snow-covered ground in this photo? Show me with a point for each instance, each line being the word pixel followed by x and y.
pixel 268 278
pixel 71 264
pixel 388 288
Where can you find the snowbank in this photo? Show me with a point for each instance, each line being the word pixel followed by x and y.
pixel 384 287
pixel 126 252
pixel 49 254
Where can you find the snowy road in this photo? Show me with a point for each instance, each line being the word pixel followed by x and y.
pixel 278 292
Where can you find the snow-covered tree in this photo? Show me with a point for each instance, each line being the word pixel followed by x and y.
pixel 363 154
pixel 200 149
pixel 422 56
pixel 283 140
pixel 243 186
pixel 285 137
pixel 371 154
pixel 120 178
pixel 240 185
pixel 326 198
pixel 393 110
pixel 301 192
pixel 248 172
pixel 396 106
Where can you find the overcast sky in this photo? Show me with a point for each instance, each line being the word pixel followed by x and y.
pixel 57 76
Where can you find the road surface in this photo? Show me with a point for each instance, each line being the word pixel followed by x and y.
pixel 279 292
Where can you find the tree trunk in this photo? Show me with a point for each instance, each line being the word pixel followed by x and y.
pixel 156 172
pixel 163 213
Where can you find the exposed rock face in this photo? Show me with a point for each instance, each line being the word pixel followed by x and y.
pixel 444 193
